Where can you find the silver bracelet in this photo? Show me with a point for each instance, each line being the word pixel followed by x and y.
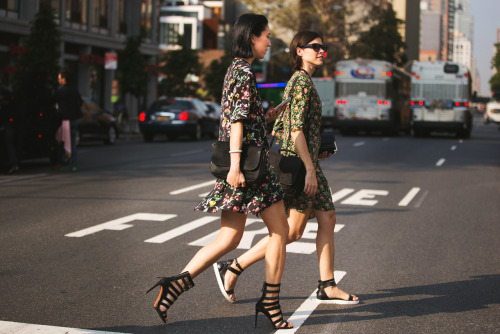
pixel 235 151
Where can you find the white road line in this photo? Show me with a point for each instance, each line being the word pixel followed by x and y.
pixel 454 147
pixel 185 153
pixel 359 143
pixel 161 238
pixel 22 328
pixel 409 197
pixel 307 308
pixel 440 162
pixel 196 186
pixel 421 200
pixel 120 223
pixel 20 178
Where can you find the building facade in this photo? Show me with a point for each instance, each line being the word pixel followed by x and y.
pixel 89 30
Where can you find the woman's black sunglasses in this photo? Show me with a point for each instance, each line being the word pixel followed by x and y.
pixel 315 47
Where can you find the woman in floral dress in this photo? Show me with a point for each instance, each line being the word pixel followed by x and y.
pixel 303 120
pixel 242 122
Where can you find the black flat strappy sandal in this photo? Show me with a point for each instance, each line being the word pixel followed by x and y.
pixel 220 269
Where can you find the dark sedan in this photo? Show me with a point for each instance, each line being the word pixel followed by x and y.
pixel 96 124
pixel 178 116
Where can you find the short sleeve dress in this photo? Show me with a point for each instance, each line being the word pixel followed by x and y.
pixel 241 103
pixel 305 111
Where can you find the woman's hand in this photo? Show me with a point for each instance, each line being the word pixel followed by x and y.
pixel 311 184
pixel 272 113
pixel 324 155
pixel 235 178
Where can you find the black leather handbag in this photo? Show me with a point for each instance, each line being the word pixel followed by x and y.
pixel 328 143
pixel 252 162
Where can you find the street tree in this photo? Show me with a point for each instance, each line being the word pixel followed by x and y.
pixel 214 76
pixel 35 79
pixel 131 72
pixel 182 70
pixel 383 40
pixel 495 78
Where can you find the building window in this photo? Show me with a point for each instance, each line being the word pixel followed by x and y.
pixel 146 19
pixel 9 8
pixel 121 23
pixel 56 8
pixel 76 14
pixel 100 16
pixel 169 34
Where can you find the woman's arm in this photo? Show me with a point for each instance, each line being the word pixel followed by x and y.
pixel 311 183
pixel 235 177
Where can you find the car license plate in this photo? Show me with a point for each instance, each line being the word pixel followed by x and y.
pixel 162 118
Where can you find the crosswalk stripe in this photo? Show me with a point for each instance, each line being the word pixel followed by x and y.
pixel 181 230
pixel 307 308
pixel 22 328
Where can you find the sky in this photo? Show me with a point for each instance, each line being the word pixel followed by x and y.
pixel 486 21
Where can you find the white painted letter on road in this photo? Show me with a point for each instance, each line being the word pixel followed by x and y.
pixel 365 197
pixel 120 223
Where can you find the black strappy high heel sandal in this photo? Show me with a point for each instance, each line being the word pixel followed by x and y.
pixel 220 269
pixel 272 304
pixel 171 287
pixel 322 297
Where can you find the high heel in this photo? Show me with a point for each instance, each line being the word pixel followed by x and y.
pixel 171 287
pixel 273 304
pixel 322 297
pixel 220 269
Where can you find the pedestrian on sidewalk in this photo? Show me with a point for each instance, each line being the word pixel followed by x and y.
pixel 242 113
pixel 69 104
pixel 307 53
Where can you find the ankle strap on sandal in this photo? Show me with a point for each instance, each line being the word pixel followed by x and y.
pixel 325 284
pixel 268 285
pixel 233 270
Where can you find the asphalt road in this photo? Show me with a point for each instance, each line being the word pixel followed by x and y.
pixel 418 222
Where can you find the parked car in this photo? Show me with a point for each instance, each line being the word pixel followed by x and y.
pixel 177 116
pixel 96 123
pixel 492 113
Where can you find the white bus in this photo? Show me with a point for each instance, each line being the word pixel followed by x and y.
pixel 371 95
pixel 440 98
pixel 325 86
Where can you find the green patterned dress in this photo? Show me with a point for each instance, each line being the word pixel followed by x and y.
pixel 305 107
pixel 241 103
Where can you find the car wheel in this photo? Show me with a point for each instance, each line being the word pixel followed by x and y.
pixel 148 137
pixel 196 135
pixel 111 136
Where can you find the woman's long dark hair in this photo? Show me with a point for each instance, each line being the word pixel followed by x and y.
pixel 300 39
pixel 245 26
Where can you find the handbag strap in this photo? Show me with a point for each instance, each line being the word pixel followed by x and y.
pixel 289 137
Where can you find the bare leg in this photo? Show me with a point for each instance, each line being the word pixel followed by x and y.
pixel 325 247
pixel 231 231
pixel 275 219
pixel 296 222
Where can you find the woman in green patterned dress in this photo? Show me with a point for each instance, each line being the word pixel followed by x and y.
pixel 242 122
pixel 306 54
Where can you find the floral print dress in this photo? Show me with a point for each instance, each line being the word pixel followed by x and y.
pixel 305 111
pixel 241 103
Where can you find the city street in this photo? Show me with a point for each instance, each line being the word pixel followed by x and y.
pixel 418 222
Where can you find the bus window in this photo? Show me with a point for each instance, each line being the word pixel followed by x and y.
pixel 451 68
